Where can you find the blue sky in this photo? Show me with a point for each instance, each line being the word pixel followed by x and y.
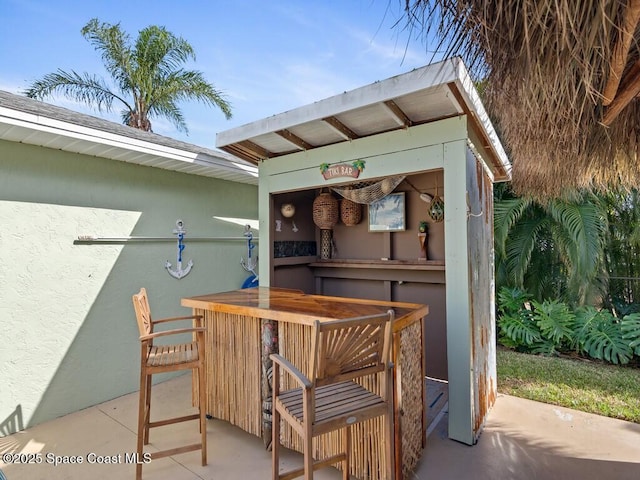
pixel 266 56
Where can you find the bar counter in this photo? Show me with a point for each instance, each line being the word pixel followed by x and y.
pixel 245 326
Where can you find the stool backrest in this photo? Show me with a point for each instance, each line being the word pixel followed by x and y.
pixel 143 312
pixel 351 348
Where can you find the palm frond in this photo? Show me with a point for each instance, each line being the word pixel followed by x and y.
pixel 113 44
pixel 506 214
pixel 182 85
pixel 580 231
pixel 83 88
pixel 158 50
pixel 169 110
pixel 521 246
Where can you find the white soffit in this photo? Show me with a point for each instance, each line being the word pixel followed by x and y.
pixel 36 123
pixel 424 95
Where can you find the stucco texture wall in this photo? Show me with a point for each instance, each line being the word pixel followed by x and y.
pixel 69 338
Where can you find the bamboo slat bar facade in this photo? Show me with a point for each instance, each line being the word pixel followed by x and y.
pixel 235 371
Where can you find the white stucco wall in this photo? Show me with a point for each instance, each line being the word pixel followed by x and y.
pixel 69 337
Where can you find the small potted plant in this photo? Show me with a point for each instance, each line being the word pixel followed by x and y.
pixel 423 233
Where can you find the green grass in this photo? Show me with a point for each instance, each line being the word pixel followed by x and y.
pixel 589 386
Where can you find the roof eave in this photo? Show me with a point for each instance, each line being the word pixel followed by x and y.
pixel 39 130
pixel 452 73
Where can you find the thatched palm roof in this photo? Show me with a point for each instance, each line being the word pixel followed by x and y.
pixel 561 82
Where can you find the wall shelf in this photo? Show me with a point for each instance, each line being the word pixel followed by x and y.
pixel 437 265
pixel 402 271
pixel 386 271
pixel 304 260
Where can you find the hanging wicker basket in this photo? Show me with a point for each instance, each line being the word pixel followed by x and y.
pixel 350 212
pixel 325 211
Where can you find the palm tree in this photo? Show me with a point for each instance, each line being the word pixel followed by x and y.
pixel 148 75
pixel 554 249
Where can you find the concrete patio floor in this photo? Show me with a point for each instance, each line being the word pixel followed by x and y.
pixel 521 440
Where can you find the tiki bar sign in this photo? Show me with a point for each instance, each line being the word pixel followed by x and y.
pixel 342 169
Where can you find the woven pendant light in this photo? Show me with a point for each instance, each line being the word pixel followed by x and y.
pixel 325 211
pixel 325 216
pixel 350 212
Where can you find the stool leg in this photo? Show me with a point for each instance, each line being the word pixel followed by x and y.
pixel 347 452
pixel 308 452
pixel 202 409
pixel 275 442
pixel 147 418
pixel 391 448
pixel 142 415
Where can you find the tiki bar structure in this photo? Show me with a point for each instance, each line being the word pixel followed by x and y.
pixel 245 326
pixel 375 198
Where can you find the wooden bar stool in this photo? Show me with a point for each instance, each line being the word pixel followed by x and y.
pixel 342 352
pixel 167 358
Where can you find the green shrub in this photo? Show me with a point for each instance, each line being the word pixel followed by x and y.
pixel 630 326
pixel 598 334
pixel 517 328
pixel 551 327
pixel 555 321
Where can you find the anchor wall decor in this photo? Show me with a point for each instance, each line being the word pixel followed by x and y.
pixel 179 272
pixel 251 263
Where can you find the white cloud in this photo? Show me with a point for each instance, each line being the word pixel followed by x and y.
pixel 309 82
pixel 391 52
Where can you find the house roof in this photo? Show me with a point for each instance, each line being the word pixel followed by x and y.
pixel 33 122
pixel 424 95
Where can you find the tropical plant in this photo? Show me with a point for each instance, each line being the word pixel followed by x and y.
pixel 543 328
pixel 599 335
pixel 630 326
pixel 555 320
pixel 148 75
pixel 517 326
pixel 623 251
pixel 553 249
pixel 552 327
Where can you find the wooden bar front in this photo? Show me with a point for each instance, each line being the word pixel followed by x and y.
pixel 244 326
